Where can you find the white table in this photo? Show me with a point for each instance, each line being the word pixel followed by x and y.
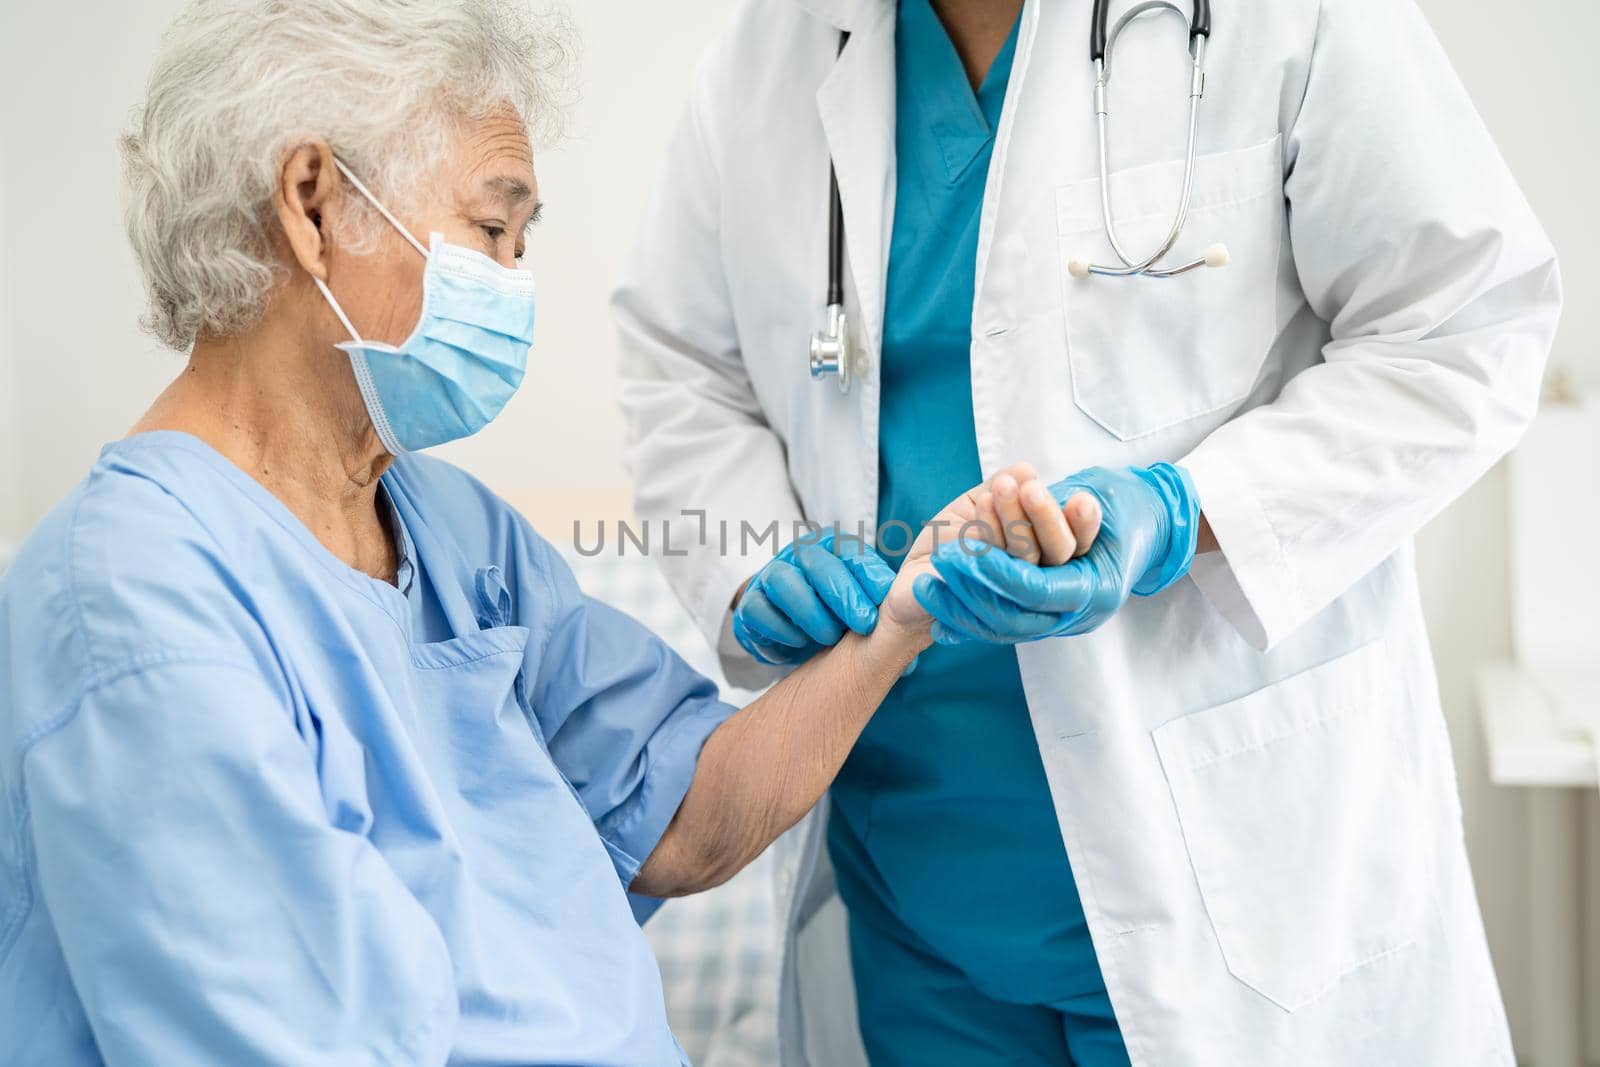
pixel 1534 725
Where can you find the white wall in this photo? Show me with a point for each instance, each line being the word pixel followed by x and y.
pixel 563 431
pixel 1532 75
pixel 11 519
pixel 79 372
pixel 71 295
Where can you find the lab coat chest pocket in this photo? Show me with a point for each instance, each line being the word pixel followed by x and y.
pixel 1149 353
pixel 1300 813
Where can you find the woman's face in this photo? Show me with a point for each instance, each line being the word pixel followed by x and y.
pixel 483 197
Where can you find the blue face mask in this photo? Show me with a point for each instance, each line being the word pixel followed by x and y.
pixel 466 357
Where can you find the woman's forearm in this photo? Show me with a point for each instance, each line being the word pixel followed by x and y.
pixel 765 767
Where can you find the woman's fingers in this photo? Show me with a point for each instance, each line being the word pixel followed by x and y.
pixel 1082 512
pixel 1050 529
pixel 1017 472
pixel 988 520
pixel 1019 539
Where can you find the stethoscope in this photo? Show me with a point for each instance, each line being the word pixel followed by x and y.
pixel 831 352
pixel 831 348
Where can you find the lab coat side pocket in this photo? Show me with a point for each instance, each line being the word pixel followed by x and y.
pixel 1302 821
pixel 1149 353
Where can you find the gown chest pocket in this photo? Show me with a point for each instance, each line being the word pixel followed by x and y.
pixel 1302 818
pixel 1149 353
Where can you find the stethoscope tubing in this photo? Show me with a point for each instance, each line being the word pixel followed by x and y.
pixel 836 220
pixel 1147 266
pixel 1101 42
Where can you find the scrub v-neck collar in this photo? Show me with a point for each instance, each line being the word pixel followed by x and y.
pixel 962 122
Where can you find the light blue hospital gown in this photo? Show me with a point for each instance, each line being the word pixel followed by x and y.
pixel 260 808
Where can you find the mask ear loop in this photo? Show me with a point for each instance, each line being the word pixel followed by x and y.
pixel 337 310
pixel 358 359
pixel 364 191
pixel 373 200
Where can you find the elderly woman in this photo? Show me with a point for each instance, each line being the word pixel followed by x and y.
pixel 313 752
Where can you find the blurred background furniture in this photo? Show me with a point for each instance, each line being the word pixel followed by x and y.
pixel 1541 719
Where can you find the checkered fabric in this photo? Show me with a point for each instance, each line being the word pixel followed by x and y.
pixel 718 950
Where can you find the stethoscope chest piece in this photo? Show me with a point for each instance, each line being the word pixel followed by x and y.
pixel 831 350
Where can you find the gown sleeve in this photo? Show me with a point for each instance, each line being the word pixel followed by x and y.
pixel 209 910
pixel 624 717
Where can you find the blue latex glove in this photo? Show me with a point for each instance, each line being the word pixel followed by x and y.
pixel 805 599
pixel 1150 519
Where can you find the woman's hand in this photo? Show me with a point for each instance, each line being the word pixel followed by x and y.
pixel 765 767
pixel 1014 512
pixel 1151 521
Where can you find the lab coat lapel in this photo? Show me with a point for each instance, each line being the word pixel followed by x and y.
pixel 1027 34
pixel 856 104
pixel 852 15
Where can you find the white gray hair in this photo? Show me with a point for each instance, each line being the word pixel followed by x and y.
pixel 238 82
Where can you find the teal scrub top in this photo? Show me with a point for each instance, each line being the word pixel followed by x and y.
pixel 942 823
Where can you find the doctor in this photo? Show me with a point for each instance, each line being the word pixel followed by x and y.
pixel 1218 823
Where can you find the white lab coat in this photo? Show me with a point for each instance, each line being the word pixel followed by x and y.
pixel 1251 770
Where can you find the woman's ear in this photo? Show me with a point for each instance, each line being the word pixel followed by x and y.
pixel 307 183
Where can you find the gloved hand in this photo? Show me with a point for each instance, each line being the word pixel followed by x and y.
pixel 1150 519
pixel 805 599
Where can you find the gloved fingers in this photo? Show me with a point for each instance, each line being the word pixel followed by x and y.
pixel 791 592
pixel 758 615
pixel 1065 590
pixel 943 635
pixel 768 652
pixel 953 623
pixel 1106 597
pixel 837 587
pixel 1050 529
pixel 1082 512
pixel 871 572
pixel 1019 536
pixel 1094 481
pixel 1000 616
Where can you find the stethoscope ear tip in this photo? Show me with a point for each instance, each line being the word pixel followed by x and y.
pixel 1079 268
pixel 1216 255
